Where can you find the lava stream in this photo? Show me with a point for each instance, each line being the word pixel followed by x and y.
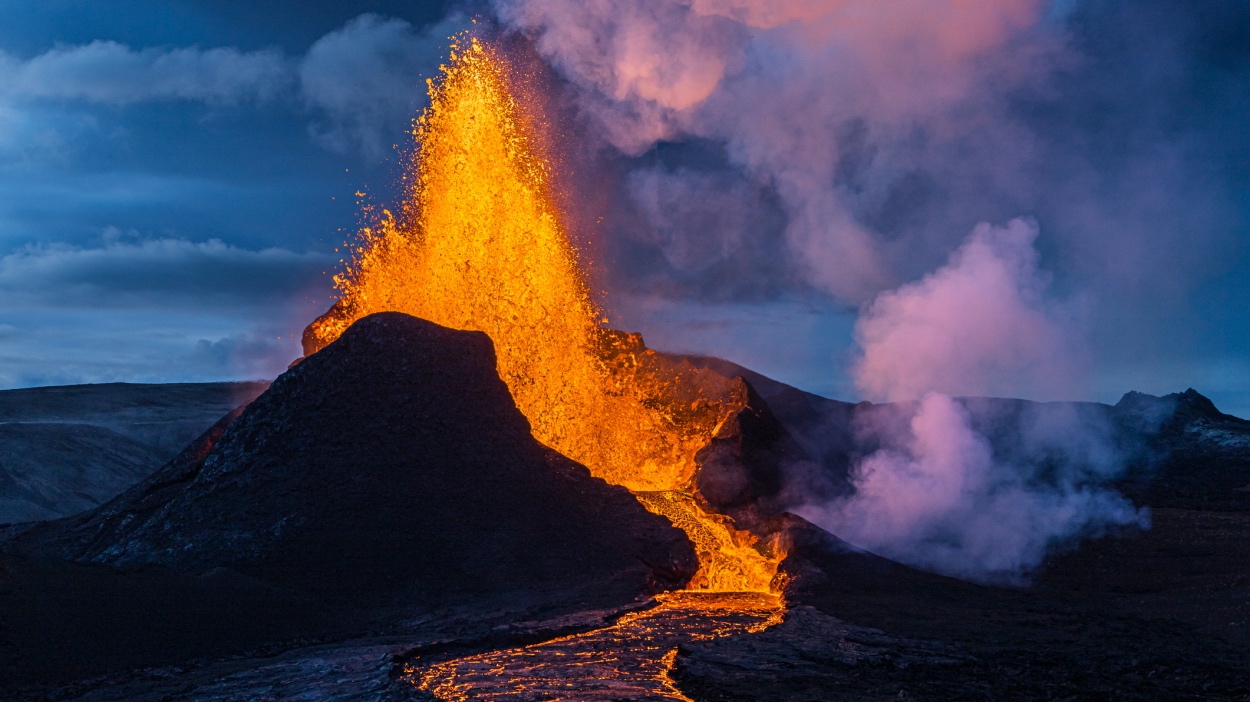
pixel 632 659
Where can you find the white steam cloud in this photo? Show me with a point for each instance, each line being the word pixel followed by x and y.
pixel 940 501
pixel 981 325
pixel 935 495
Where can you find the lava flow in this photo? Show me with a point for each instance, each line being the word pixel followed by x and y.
pixel 632 659
pixel 479 244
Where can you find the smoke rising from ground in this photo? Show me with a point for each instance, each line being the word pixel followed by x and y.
pixel 939 493
pixel 937 497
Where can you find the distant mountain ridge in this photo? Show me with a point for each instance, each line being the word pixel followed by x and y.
pixel 64 449
pixel 1179 450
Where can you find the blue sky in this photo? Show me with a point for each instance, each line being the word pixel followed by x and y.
pixel 175 177
pixel 178 221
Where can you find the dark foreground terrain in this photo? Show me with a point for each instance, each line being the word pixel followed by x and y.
pixel 1157 615
pixel 381 514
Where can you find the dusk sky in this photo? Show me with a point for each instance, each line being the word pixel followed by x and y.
pixel 1053 194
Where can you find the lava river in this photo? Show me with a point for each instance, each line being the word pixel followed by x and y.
pixel 630 660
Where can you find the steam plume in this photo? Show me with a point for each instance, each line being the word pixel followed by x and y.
pixel 938 494
pixel 779 84
pixel 882 131
pixel 978 326
pixel 937 498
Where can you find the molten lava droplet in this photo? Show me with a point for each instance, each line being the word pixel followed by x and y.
pixel 479 245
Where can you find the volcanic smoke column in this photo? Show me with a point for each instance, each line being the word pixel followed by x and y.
pixel 479 244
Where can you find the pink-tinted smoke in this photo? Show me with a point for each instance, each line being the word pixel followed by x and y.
pixel 940 501
pixel 831 105
pixel 981 325
pixel 777 83
pixel 935 495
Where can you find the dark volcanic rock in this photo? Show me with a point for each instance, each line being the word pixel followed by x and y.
pixel 744 464
pixel 1158 614
pixel 390 467
pixel 819 430
pixel 1193 457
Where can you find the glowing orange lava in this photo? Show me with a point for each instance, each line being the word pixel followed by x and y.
pixel 479 244
pixel 630 660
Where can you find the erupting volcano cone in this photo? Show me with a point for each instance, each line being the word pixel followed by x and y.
pixel 479 244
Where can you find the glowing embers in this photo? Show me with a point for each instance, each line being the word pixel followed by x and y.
pixel 478 244
pixel 629 660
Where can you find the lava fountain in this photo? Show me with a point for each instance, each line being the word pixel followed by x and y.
pixel 480 243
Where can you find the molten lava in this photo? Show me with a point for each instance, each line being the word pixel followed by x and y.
pixel 631 659
pixel 479 244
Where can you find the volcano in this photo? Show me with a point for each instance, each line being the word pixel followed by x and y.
pixel 390 470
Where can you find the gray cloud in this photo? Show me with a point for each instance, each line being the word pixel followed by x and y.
pixel 155 309
pixel 246 355
pixel 363 82
pixel 110 73
pixel 368 78
pixel 62 348
pixel 94 303
pixel 161 272
pixel 200 155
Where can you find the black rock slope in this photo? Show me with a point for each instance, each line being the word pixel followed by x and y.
pixel 1195 456
pixel 390 467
